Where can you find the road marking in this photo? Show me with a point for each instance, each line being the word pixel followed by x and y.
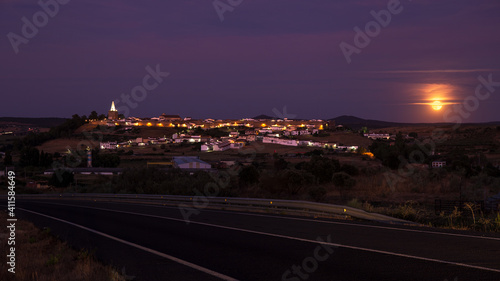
pixel 312 220
pixel 376 226
pixel 302 239
pixel 172 258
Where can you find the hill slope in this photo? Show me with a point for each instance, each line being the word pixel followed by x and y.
pixel 44 122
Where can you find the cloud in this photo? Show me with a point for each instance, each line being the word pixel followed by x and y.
pixel 438 71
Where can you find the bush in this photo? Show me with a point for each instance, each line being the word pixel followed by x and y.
pixel 355 203
pixel 349 169
pixel 343 182
pixel 249 175
pixel 317 193
pixel 61 178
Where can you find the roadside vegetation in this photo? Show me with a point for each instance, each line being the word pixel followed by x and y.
pixel 41 257
pixel 470 217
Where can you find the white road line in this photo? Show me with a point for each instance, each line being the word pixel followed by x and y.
pixel 183 262
pixel 316 221
pixel 304 240
pixel 380 227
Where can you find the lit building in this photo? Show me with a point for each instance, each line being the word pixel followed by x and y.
pixel 190 162
pixel 113 113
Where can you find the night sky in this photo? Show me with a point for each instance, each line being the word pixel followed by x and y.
pixel 252 57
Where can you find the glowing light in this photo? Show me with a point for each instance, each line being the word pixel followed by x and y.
pixel 149 124
pixel 437 95
pixel 436 105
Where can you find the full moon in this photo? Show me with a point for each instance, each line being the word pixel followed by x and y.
pixel 437 105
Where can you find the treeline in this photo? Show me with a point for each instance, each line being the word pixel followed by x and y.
pixel 307 180
pixel 31 156
pixel 401 152
pixel 64 130
pixel 287 179
pixel 155 181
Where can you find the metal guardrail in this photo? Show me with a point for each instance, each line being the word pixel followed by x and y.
pixel 225 202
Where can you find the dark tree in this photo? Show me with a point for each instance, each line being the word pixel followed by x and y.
pixel 350 169
pixel 280 164
pixel 7 161
pixel 322 168
pixel 30 156
pixel 93 115
pixel 61 178
pixel 249 175
pixel 343 182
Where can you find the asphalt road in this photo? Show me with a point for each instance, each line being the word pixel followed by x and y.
pixel 156 243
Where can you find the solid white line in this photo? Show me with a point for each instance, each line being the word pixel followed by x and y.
pixel 381 227
pixel 172 258
pixel 304 240
pixel 316 221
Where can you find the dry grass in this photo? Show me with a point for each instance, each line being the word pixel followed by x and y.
pixel 62 145
pixel 41 257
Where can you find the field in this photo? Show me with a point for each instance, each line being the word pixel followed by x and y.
pixel 62 145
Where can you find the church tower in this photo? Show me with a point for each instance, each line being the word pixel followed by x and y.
pixel 113 113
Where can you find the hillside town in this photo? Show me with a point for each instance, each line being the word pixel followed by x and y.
pixel 274 131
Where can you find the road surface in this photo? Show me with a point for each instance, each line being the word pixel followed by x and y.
pixel 156 243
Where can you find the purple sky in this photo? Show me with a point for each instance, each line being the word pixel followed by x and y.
pixel 264 55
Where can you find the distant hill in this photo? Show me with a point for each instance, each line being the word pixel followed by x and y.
pixel 357 123
pixel 263 116
pixel 44 122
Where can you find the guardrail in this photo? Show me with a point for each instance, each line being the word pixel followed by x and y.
pixel 228 202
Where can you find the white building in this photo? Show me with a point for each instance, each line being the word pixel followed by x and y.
pixel 108 145
pixel 348 148
pixel 190 162
pixel 221 146
pixel 377 136
pixel 280 141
